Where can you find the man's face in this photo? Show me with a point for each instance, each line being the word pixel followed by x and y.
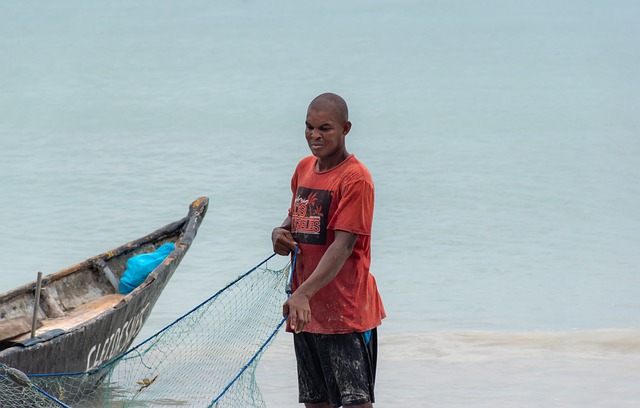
pixel 325 133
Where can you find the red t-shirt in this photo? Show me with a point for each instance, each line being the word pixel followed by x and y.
pixel 337 199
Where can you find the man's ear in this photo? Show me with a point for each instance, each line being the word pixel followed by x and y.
pixel 346 127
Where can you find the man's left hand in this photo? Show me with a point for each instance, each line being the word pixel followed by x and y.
pixel 297 306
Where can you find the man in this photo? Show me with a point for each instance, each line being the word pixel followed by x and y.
pixel 335 306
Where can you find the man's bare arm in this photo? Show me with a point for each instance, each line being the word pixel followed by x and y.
pixel 332 261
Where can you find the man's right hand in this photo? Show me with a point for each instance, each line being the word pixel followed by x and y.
pixel 283 243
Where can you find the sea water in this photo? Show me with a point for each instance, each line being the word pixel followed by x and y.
pixel 502 138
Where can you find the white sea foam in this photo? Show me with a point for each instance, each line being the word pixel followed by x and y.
pixel 485 345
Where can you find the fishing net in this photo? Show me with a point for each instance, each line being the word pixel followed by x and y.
pixel 206 358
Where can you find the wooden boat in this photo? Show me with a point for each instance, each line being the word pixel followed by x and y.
pixel 83 321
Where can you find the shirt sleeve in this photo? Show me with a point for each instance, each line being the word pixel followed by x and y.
pixel 294 187
pixel 355 208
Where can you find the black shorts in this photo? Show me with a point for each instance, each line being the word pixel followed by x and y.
pixel 338 369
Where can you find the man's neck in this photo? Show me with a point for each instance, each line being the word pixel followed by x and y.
pixel 331 162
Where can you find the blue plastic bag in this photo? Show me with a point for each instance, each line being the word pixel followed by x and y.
pixel 140 266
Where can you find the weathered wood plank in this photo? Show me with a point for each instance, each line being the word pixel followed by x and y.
pixel 10 328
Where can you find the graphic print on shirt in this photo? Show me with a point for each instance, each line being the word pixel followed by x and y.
pixel 309 215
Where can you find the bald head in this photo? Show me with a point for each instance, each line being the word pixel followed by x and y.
pixel 330 102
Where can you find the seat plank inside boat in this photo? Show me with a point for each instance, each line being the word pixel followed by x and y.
pixel 16 326
pixel 79 315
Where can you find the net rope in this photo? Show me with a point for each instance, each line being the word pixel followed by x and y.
pixel 206 358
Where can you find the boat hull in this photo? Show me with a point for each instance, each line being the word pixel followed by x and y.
pixel 110 332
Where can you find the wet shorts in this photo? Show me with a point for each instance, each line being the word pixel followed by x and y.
pixel 338 369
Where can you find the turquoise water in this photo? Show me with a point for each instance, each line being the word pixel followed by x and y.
pixel 502 138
